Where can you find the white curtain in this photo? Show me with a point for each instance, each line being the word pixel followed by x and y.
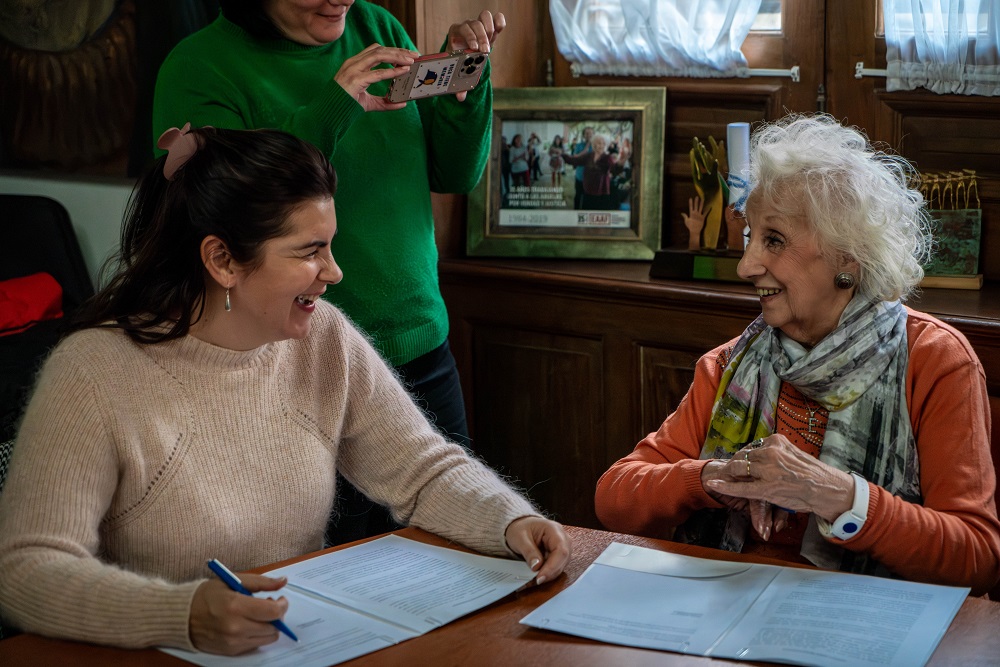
pixel 948 46
pixel 696 38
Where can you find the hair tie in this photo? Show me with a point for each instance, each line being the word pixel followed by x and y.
pixel 180 146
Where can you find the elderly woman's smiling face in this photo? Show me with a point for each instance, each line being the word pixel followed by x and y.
pixel 794 281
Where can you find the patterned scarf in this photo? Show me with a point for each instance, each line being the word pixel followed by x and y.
pixel 858 373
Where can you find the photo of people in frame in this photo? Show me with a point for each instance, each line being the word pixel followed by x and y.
pixel 566 174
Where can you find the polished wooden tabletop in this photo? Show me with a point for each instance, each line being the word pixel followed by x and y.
pixel 494 635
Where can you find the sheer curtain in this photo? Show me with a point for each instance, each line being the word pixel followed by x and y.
pixel 696 38
pixel 948 46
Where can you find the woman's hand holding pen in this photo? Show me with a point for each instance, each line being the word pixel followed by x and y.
pixel 543 545
pixel 225 622
pixel 361 71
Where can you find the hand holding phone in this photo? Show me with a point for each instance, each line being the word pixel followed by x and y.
pixel 362 70
pixel 439 74
pixel 478 34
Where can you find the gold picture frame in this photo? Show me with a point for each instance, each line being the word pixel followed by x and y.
pixel 616 215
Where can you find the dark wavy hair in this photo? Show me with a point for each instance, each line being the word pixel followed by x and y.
pixel 251 16
pixel 241 186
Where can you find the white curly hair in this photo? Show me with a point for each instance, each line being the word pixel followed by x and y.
pixel 862 202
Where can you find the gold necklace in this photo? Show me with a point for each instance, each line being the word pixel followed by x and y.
pixel 809 433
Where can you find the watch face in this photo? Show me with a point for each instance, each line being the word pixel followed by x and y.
pixel 850 528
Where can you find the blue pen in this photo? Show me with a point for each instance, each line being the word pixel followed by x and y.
pixel 231 580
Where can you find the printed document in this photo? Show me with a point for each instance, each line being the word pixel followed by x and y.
pixel 347 603
pixel 652 599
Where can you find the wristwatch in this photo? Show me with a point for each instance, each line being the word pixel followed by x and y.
pixel 850 522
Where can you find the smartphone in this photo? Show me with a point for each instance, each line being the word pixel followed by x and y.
pixel 439 74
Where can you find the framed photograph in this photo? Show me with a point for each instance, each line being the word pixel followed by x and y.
pixel 573 172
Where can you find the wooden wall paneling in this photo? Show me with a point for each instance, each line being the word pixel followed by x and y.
pixel 518 60
pixel 850 36
pixel 539 414
pixel 802 43
pixel 665 376
pixel 450 214
pixel 405 13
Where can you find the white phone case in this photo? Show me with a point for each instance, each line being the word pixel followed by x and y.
pixel 439 74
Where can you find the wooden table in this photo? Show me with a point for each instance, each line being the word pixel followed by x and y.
pixel 494 636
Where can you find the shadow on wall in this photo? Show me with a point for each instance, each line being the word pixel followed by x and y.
pixel 95 206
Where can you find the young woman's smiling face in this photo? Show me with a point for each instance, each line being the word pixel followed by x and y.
pixel 794 281
pixel 275 301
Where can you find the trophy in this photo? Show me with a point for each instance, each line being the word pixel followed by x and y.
pixel 719 176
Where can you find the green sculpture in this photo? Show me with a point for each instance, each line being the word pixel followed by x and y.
pixel 709 167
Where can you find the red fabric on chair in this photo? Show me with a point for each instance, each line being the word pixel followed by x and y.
pixel 28 300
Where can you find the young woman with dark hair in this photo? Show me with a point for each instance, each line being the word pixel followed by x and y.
pixel 203 408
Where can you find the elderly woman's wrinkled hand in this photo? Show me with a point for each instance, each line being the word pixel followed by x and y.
pixel 763 516
pixel 783 475
pixel 360 71
pixel 723 470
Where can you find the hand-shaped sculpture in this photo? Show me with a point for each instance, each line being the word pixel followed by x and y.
pixel 694 220
pixel 709 182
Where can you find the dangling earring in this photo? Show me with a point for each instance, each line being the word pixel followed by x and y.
pixel 844 280
pixel 229 306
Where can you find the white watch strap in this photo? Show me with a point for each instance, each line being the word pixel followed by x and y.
pixel 849 524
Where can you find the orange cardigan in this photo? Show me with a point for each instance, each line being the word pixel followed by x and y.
pixel 953 538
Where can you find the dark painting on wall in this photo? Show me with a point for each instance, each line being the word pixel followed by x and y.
pixel 77 78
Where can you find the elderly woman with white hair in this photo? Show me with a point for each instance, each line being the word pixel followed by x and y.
pixel 843 428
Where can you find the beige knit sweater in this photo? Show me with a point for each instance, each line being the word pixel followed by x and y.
pixel 135 464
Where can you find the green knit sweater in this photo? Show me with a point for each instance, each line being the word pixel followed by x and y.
pixel 387 162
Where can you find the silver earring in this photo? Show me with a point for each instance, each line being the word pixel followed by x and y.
pixel 844 280
pixel 229 306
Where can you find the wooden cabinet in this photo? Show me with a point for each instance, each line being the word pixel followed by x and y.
pixel 566 365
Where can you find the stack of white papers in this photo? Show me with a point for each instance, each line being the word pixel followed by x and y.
pixel 347 603
pixel 652 599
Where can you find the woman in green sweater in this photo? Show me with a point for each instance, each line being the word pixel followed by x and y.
pixel 320 70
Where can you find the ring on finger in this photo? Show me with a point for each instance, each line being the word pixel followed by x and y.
pixel 748 467
pixel 759 442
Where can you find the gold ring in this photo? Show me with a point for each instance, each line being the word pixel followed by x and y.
pixel 748 467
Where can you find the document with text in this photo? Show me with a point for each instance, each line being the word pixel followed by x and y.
pixel 652 599
pixel 347 603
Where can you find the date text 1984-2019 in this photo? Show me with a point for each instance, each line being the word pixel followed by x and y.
pixel 556 218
